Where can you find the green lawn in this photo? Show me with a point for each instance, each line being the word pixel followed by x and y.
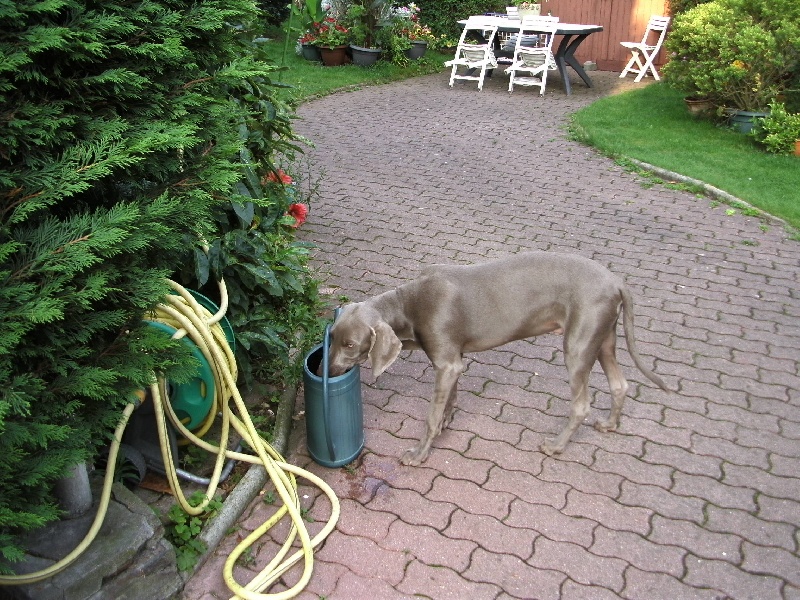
pixel 310 79
pixel 652 125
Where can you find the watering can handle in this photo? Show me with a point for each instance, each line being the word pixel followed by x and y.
pixel 325 407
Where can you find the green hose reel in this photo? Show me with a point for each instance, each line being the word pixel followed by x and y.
pixel 193 400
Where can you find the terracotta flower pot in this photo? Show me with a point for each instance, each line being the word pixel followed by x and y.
pixel 333 57
pixel 698 106
pixel 797 147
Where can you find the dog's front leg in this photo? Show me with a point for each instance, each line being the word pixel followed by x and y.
pixel 446 379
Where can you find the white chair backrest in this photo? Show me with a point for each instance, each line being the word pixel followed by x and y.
pixel 656 25
pixel 486 29
pixel 540 29
pixel 512 11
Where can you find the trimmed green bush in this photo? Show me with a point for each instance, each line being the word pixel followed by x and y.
pixel 740 53
pixel 131 132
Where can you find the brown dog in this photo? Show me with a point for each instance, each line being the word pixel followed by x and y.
pixel 450 310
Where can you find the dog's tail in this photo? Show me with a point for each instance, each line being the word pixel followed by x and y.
pixel 627 327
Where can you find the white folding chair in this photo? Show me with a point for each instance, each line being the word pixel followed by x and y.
pixel 536 60
pixel 472 54
pixel 656 29
pixel 507 48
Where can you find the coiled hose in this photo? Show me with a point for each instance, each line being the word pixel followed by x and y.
pixel 188 317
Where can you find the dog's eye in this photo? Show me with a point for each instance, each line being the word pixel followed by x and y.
pixel 349 345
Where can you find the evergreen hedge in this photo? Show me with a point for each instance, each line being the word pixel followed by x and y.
pixel 129 131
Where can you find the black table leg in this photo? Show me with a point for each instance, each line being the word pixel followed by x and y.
pixel 565 55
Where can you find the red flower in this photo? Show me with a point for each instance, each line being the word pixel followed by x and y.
pixel 281 177
pixel 299 212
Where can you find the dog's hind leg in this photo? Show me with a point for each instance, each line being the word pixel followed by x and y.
pixel 616 382
pixel 444 391
pixel 581 347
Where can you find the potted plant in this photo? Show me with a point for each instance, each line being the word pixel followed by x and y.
pixel 405 37
pixel 741 54
pixel 363 19
pixel 528 9
pixel 332 41
pixel 305 15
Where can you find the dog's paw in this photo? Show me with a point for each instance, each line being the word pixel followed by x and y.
pixel 605 426
pixel 549 448
pixel 413 457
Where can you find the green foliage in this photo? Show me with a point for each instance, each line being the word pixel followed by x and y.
pixel 779 130
pixel 364 18
pixel 677 7
pixel 128 129
pixel 305 14
pixel 740 53
pixel 184 529
pixel 442 15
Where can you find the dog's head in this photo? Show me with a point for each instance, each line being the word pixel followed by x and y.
pixel 360 333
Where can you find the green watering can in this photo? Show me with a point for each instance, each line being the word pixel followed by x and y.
pixel 334 414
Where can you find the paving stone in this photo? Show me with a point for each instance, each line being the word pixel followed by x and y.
pixel 351 585
pixel 491 534
pixel 518 578
pixel 471 498
pixel 730 452
pixel 355 519
pixel 364 557
pixel 580 565
pixel 713 491
pixel 658 586
pixel 698 540
pixel 731 580
pixel 638 551
pixel 506 456
pixel 757 479
pixel 551 523
pixel 779 510
pixel 752 529
pixel 580 477
pixel 686 461
pixel 606 511
pixel 771 561
pixel 429 546
pixel 663 502
pixel 528 487
pixel 633 469
pixel 576 591
pixel 428 581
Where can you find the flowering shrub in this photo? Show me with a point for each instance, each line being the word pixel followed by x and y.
pixel 405 27
pixel 330 33
pixel 309 37
pixel 740 53
pixel 526 5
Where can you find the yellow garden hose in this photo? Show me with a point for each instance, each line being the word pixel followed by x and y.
pixel 182 312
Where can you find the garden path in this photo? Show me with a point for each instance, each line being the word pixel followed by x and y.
pixel 696 496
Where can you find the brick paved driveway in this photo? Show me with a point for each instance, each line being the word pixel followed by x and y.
pixel 696 496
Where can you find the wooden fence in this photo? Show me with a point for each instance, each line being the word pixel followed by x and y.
pixel 622 21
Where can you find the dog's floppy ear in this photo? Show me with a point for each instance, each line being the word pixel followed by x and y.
pixel 385 347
